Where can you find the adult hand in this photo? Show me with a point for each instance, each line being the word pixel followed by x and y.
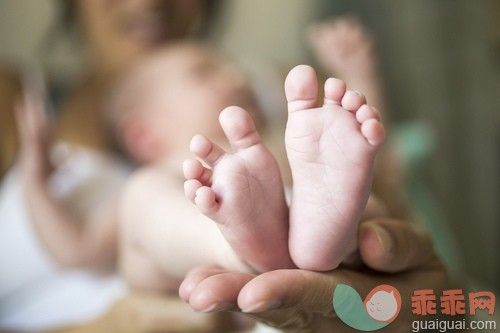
pixel 393 252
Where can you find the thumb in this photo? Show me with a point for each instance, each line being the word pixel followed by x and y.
pixel 392 246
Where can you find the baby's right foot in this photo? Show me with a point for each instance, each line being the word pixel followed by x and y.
pixel 331 151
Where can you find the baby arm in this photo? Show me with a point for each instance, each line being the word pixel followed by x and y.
pixel 68 240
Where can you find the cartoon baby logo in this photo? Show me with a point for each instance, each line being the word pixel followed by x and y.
pixel 383 303
pixel 380 308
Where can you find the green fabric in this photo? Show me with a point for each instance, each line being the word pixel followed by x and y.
pixel 417 141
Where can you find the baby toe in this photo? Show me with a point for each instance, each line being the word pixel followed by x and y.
pixel 353 100
pixel 373 131
pixel 334 91
pixel 366 112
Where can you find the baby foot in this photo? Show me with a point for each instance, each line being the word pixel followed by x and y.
pixel 331 151
pixel 242 191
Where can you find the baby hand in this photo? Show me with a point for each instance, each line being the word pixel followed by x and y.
pixel 35 139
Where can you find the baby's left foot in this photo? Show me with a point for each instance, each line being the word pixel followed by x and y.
pixel 242 192
pixel 331 150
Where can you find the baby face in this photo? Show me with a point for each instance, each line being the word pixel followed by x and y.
pixel 190 87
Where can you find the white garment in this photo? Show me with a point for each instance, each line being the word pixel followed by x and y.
pixel 35 293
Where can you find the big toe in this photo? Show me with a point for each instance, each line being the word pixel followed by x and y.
pixel 301 88
pixel 239 127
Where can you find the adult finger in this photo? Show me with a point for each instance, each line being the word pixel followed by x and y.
pixel 213 290
pixel 195 277
pixel 389 245
pixel 295 300
pixel 285 288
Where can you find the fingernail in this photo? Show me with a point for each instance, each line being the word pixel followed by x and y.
pixel 263 306
pixel 218 307
pixel 385 239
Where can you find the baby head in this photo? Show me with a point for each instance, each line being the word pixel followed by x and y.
pixel 174 94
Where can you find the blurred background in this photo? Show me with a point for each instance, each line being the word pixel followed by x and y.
pixel 440 67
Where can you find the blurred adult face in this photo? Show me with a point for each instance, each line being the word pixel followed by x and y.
pixel 118 31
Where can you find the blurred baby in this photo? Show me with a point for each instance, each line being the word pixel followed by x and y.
pixel 172 102
pixel 156 109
